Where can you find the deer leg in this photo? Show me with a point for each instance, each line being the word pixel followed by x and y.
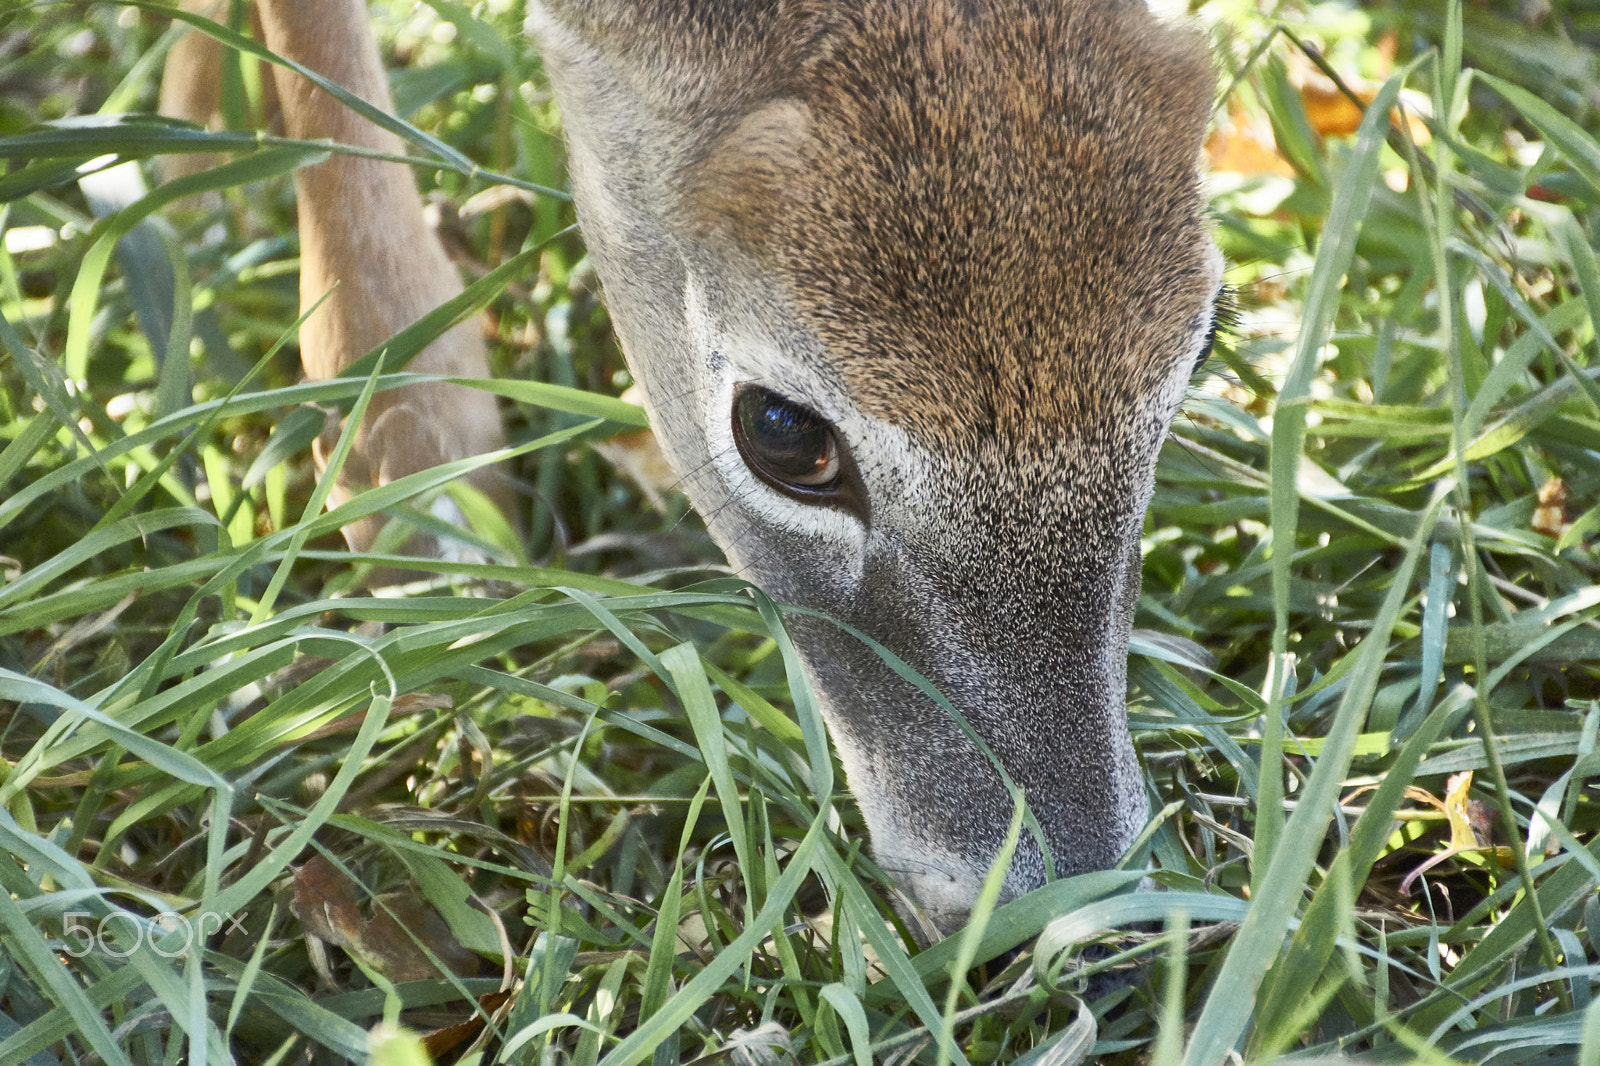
pixel 368 252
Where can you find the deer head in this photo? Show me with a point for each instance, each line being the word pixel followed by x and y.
pixel 914 289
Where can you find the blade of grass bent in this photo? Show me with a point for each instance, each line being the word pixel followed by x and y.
pixel 1289 431
pixel 1442 210
pixel 1260 939
pixel 642 1041
pixel 848 1007
pixel 1027 916
pixel 694 692
pixel 1122 911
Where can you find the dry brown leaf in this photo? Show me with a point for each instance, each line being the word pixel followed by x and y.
pixel 392 941
pixel 1242 143
pixel 441 1042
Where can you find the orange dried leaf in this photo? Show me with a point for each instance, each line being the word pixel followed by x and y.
pixel 442 1041
pixel 1243 144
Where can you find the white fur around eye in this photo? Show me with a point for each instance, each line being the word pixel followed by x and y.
pixel 733 359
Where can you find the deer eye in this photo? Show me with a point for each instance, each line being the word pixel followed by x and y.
pixel 787 445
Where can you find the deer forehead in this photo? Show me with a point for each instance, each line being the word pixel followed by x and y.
pixel 991 220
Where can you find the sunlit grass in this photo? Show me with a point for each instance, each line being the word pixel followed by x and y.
pixel 254 812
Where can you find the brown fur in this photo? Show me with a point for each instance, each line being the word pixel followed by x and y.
pixel 1026 299
pixel 875 184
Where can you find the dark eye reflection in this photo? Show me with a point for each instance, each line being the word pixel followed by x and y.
pixel 786 444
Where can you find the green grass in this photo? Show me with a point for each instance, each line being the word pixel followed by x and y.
pixel 253 813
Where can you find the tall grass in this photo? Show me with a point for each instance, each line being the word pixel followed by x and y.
pixel 575 803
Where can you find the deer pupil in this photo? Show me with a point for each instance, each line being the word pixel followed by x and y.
pixel 788 442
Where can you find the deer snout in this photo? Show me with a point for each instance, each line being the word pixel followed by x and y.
pixel 1046 705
